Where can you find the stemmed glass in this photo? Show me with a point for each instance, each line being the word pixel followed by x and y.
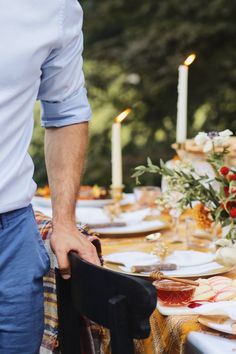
pixel 175 213
pixel 113 211
pixel 146 197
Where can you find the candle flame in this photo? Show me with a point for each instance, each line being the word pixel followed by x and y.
pixel 122 115
pixel 190 59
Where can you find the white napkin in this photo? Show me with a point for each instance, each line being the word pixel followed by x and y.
pixel 91 215
pixel 132 258
pixel 189 258
pixel 134 216
pixel 221 308
pixel 98 216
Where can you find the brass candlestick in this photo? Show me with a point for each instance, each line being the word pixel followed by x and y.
pixel 180 149
pixel 180 146
pixel 117 193
pixel 113 210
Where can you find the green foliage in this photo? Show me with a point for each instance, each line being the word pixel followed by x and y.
pixel 37 149
pixel 216 194
pixel 132 53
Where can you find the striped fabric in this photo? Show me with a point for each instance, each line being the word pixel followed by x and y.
pixel 94 339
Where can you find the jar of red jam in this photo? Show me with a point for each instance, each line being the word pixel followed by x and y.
pixel 171 293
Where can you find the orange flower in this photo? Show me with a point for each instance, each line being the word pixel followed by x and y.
pixel 202 216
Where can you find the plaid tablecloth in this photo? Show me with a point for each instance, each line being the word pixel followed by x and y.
pixel 168 334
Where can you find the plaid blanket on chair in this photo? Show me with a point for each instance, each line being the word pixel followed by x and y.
pixel 94 338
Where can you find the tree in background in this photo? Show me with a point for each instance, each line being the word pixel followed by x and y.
pixel 132 53
pixel 36 149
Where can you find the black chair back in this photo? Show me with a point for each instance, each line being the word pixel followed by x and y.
pixel 119 302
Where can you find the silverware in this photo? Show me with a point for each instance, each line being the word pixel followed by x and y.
pixel 146 268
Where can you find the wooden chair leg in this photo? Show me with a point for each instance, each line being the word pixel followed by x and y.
pixel 69 324
pixel 121 340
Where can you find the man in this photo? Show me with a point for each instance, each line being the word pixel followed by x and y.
pixel 41 45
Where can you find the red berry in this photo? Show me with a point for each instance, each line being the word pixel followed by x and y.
pixel 228 205
pixel 232 213
pixel 222 205
pixel 232 177
pixel 226 190
pixel 224 170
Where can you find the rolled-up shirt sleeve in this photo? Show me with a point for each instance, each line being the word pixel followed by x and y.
pixel 62 90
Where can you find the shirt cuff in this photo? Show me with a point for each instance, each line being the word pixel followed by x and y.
pixel 73 110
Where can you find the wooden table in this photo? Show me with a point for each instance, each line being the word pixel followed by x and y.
pixel 168 334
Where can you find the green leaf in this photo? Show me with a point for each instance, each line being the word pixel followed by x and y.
pixel 149 162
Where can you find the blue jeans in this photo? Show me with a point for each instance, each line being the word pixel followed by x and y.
pixel 23 263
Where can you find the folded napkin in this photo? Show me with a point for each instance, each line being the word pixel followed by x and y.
pixel 130 259
pixel 98 216
pixel 221 308
pixel 91 216
pixel 135 216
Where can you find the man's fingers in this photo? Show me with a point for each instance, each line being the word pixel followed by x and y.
pixel 63 264
pixel 91 256
pixel 81 245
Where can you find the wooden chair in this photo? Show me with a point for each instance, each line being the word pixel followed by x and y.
pixel 119 302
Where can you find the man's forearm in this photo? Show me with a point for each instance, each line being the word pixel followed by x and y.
pixel 64 152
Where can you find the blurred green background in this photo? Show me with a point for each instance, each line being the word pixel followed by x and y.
pixel 132 53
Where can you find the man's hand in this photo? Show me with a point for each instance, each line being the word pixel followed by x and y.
pixel 64 240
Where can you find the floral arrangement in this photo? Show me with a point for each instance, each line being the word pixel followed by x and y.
pixel 216 196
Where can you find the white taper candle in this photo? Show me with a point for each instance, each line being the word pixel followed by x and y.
pixel 181 129
pixel 182 105
pixel 116 156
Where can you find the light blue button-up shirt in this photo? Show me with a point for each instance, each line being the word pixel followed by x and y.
pixel 41 45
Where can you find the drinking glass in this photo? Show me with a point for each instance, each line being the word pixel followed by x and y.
pixel 146 196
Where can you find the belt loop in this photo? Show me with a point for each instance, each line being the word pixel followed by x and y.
pixel 4 220
pixel 1 223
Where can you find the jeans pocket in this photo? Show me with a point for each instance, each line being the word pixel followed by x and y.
pixel 44 259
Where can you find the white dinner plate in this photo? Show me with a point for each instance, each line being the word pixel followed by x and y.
pixel 219 323
pixel 187 258
pixel 191 274
pixel 41 202
pixel 94 203
pixel 133 228
pixel 132 258
pixel 186 261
